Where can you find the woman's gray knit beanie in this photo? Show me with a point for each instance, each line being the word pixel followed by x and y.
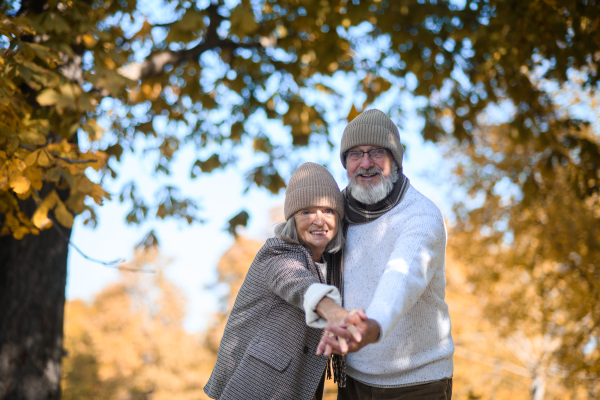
pixel 372 128
pixel 312 185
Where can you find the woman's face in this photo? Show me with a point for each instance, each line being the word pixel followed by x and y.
pixel 316 227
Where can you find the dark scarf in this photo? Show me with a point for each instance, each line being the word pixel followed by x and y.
pixel 335 276
pixel 359 213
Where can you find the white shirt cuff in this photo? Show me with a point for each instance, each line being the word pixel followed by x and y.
pixel 315 293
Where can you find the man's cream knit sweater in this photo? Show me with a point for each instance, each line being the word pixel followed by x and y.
pixel 394 269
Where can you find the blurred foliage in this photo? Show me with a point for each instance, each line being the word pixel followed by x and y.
pixel 531 233
pixel 490 363
pixel 129 343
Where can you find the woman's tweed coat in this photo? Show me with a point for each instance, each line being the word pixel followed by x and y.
pixel 267 350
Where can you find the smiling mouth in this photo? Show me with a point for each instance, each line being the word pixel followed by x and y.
pixel 367 173
pixel 319 233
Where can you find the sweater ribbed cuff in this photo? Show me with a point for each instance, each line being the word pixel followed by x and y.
pixel 315 293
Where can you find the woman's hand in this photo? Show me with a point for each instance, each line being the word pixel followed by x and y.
pixel 353 333
pixel 337 316
pixel 341 344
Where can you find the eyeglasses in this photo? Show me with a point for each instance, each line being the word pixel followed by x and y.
pixel 375 154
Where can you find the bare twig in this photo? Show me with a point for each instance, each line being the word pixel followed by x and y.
pixel 110 264
pixel 71 161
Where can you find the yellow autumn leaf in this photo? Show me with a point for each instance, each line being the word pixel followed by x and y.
pixel 48 97
pixel 98 194
pixel 32 136
pixel 19 165
pixel 32 158
pixel 89 41
pixel 19 184
pixel 3 177
pixel 44 159
pixel 20 232
pixel 83 184
pixel 35 176
pixel 40 216
pixel 101 158
pixel 187 28
pixel 353 113
pixel 93 128
pixel 63 216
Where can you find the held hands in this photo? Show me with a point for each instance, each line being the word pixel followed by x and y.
pixel 348 335
pixel 329 341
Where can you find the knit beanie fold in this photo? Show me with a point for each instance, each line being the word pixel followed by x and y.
pixel 372 128
pixel 312 185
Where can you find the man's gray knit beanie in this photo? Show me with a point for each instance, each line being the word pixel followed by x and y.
pixel 372 128
pixel 312 185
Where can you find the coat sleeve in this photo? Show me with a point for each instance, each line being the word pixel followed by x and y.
pixel 289 276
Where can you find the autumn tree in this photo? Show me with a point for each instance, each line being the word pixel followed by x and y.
pixel 488 362
pixel 82 83
pixel 130 341
pixel 533 241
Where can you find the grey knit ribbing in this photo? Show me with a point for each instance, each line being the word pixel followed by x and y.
pixel 372 128
pixel 312 185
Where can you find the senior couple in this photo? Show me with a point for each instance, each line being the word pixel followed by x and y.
pixel 390 337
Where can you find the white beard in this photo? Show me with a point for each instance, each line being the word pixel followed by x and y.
pixel 371 194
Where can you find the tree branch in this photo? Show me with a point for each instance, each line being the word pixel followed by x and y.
pixel 112 264
pixel 156 62
pixel 71 161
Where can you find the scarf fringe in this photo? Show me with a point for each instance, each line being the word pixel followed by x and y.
pixel 335 276
pixel 337 363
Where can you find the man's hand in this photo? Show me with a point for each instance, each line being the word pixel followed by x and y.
pixel 341 344
pixel 337 316
pixel 352 334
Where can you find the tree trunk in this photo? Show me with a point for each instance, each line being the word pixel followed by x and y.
pixel 33 273
pixel 538 387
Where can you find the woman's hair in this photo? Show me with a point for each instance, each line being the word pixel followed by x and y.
pixel 287 232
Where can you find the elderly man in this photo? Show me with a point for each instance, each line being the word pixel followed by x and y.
pixel 393 268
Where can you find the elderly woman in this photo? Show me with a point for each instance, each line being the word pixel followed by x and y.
pixel 267 350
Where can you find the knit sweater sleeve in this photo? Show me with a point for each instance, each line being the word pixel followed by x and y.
pixel 419 251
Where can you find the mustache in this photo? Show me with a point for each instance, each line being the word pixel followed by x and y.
pixel 372 170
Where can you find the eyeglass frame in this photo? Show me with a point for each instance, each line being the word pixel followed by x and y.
pixel 366 152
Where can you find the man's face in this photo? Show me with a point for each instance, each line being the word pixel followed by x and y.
pixel 368 171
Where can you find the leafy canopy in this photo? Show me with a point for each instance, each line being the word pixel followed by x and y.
pixel 209 73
